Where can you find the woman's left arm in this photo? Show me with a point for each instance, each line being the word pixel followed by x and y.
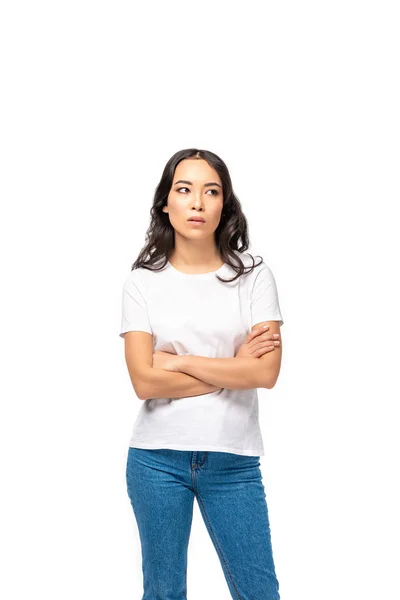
pixel 234 373
pixel 230 373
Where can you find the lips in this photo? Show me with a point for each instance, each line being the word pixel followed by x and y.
pixel 197 219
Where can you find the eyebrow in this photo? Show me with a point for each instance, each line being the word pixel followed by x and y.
pixel 190 183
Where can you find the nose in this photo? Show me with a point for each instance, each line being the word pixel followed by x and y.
pixel 197 201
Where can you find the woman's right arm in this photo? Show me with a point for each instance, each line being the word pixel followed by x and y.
pixel 157 383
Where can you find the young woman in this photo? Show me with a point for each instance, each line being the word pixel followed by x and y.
pixel 201 323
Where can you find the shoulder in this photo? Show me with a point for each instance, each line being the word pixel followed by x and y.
pixel 135 278
pixel 144 278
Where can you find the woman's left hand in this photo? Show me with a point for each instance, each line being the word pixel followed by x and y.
pixel 166 361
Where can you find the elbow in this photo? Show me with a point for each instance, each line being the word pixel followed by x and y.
pixel 264 380
pixel 266 377
pixel 270 382
pixel 142 388
pixel 142 391
pixel 139 391
pixel 272 376
pixel 145 388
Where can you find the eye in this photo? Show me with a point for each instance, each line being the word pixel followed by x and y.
pixel 215 192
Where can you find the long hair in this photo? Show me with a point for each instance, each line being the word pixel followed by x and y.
pixel 231 237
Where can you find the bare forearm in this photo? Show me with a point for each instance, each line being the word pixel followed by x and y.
pixel 230 373
pixel 160 383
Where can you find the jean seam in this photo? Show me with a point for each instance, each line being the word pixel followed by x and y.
pixel 218 546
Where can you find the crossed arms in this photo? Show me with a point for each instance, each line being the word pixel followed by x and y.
pixel 189 375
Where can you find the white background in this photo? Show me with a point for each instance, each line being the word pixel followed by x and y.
pixel 301 100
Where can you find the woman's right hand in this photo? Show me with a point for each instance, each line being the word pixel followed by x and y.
pixel 257 343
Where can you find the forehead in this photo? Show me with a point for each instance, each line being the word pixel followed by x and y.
pixel 196 170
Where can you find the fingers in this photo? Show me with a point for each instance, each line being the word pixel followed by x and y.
pixel 263 336
pixel 257 349
pixel 262 349
pixel 257 332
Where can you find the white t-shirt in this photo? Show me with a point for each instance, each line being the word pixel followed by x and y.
pixel 198 314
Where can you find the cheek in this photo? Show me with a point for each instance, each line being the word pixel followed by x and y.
pixel 174 209
pixel 217 213
pixel 178 207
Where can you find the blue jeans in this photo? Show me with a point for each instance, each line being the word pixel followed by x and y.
pixel 162 485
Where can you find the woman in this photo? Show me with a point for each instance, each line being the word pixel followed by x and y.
pixel 201 323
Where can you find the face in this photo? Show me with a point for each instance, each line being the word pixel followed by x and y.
pixel 196 191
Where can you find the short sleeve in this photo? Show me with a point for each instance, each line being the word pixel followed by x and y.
pixel 264 297
pixel 134 310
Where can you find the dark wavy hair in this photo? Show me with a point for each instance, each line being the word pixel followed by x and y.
pixel 231 235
